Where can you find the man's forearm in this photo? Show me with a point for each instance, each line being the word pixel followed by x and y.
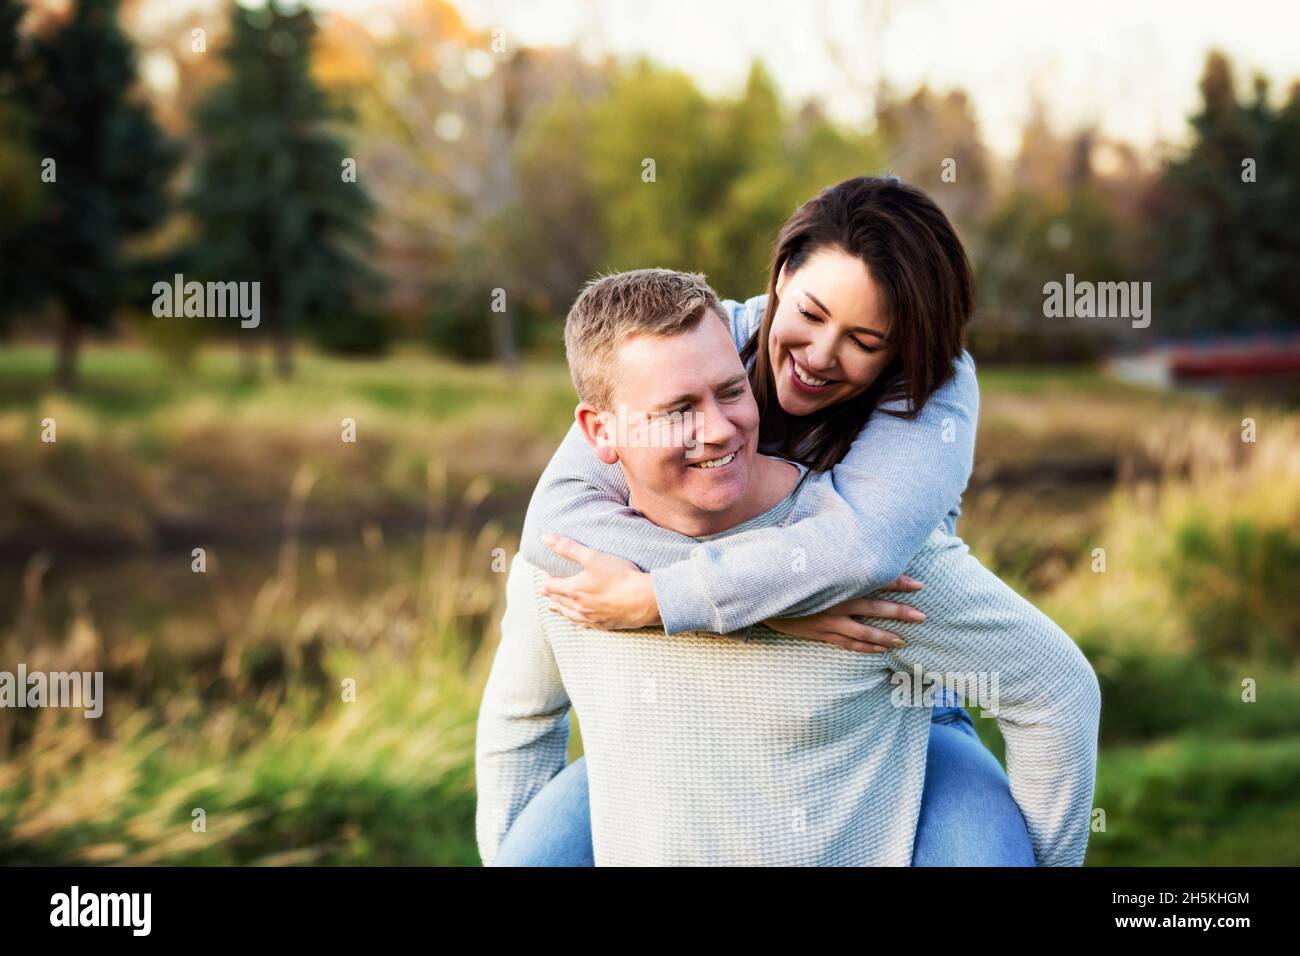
pixel 523 727
pixel 512 763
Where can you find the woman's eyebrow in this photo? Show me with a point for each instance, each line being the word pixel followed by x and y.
pixel 857 328
pixel 821 305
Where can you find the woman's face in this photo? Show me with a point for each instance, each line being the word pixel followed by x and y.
pixel 829 338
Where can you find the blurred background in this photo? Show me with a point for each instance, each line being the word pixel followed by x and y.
pixel 421 187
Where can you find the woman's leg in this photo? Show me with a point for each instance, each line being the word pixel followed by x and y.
pixel 968 816
pixel 555 828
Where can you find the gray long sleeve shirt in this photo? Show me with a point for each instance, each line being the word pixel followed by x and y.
pixel 778 750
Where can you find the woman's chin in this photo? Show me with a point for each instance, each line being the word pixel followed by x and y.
pixel 796 404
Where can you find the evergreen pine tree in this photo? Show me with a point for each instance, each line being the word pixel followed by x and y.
pixel 1230 227
pixel 19 170
pixel 270 199
pixel 110 168
pixel 11 12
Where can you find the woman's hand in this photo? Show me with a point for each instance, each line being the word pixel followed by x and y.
pixel 842 626
pixel 609 593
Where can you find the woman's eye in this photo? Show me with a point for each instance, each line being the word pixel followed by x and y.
pixel 816 318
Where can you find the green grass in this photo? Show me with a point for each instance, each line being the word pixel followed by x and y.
pixel 127 382
pixel 1196 800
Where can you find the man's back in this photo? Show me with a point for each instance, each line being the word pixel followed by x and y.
pixel 707 751
pixel 777 750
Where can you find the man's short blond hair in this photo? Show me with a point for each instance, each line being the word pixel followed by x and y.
pixel 615 308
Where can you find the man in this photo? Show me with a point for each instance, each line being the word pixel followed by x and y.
pixel 771 751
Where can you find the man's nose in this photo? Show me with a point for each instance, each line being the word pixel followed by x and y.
pixel 712 426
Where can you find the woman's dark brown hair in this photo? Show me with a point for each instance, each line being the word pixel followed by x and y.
pixel 920 266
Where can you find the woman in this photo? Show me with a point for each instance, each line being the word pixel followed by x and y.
pixel 856 363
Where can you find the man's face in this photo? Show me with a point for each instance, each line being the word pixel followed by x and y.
pixel 691 437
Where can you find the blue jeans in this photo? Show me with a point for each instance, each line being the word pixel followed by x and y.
pixel 968 817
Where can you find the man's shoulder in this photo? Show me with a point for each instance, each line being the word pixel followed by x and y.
pixel 524 581
pixel 524 570
pixel 794 475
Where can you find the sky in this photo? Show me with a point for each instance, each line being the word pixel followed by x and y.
pixel 1129 66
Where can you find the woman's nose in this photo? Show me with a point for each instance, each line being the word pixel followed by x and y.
pixel 821 353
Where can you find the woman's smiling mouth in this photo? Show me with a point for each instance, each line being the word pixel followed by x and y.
pixel 805 381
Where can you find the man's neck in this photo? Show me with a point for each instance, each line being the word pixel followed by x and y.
pixel 772 480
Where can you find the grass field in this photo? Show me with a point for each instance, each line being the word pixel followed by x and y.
pixel 333 561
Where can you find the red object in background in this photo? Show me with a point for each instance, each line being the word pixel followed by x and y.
pixel 1236 361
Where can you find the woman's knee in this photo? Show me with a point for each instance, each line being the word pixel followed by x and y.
pixel 968 816
pixel 554 829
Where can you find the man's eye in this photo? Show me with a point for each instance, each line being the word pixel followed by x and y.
pixel 733 394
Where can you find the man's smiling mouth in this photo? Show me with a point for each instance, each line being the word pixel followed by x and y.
pixel 716 462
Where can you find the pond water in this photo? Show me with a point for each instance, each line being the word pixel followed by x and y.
pixel 134 595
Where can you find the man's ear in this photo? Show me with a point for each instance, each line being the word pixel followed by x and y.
pixel 595 427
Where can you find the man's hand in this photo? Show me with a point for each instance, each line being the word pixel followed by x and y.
pixel 843 624
pixel 609 593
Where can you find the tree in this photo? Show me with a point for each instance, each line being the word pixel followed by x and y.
pixel 273 198
pixel 783 163
pixel 11 13
pixel 1228 213
pixel 19 167
pixel 935 144
pixel 725 176
pixel 551 237
pixel 103 170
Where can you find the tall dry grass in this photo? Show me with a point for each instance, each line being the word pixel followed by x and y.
pixel 258 738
